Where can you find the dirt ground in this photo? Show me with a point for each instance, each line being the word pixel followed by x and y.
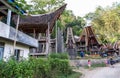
pixel 101 72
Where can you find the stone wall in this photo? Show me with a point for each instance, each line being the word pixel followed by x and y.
pixel 84 62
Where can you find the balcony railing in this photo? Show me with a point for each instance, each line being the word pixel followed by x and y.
pixel 9 33
pixel 38 54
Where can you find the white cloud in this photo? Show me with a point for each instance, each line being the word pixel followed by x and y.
pixel 82 7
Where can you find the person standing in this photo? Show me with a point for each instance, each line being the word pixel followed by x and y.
pixel 107 61
pixel 82 54
pixel 89 63
pixel 111 62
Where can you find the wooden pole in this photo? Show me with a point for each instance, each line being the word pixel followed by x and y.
pixel 47 40
pixel 16 31
pixel 48 37
pixel 56 36
pixel 34 51
pixel 34 33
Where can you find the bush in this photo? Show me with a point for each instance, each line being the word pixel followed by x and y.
pixel 59 55
pixel 14 69
pixel 41 68
pixel 60 65
pixel 53 67
pixel 59 62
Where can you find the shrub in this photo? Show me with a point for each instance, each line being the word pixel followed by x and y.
pixel 52 67
pixel 41 68
pixel 59 55
pixel 60 66
pixel 59 62
pixel 14 69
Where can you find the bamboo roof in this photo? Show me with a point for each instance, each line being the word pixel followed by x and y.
pixel 39 23
pixel 88 37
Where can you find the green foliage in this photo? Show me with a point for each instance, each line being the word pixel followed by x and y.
pixel 73 75
pixel 59 55
pixel 36 67
pixel 106 23
pixel 14 69
pixel 97 65
pixel 44 6
pixel 61 66
pixel 41 68
pixel 22 4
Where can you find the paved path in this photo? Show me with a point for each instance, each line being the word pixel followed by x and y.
pixel 105 72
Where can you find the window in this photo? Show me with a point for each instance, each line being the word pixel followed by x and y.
pixel 1 50
pixel 18 54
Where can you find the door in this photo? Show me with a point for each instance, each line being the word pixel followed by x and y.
pixel 17 54
pixel 1 52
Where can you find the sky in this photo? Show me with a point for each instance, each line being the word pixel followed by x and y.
pixel 82 7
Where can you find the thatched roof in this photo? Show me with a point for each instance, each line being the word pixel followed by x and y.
pixel 70 37
pixel 88 37
pixel 39 23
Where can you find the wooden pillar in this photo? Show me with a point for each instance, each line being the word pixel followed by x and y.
pixel 48 39
pixel 43 49
pixel 86 40
pixel 15 37
pixel 56 37
pixel 34 33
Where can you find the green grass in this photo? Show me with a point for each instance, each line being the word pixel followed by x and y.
pixel 96 65
pixel 89 57
pixel 73 75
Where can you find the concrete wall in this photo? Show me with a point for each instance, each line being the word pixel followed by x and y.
pixel 23 38
pixel 8 49
pixel 4 30
pixel 9 33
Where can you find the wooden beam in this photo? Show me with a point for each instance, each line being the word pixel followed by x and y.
pixel 5 3
pixel 3 8
pixel 4 12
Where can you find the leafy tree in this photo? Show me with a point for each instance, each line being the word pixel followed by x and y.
pixel 106 23
pixel 43 6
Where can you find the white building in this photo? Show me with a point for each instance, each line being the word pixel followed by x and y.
pixel 7 34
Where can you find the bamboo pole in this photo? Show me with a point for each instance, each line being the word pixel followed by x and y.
pixel 16 31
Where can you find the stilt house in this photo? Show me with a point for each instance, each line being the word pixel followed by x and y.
pixel 88 41
pixel 40 27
